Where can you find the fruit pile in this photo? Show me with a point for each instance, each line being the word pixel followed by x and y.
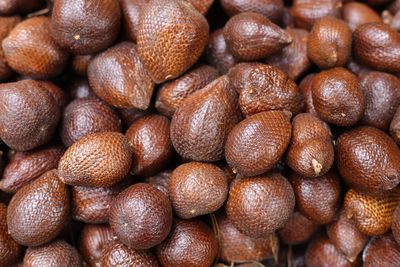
pixel 198 133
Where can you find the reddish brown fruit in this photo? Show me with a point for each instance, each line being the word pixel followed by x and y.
pixel 382 251
pixel 272 9
pixel 84 27
pixel 119 78
pixel 298 229
pixel 87 162
pixel 305 89
pixel 394 7
pixel 131 10
pixel 11 7
pixel 171 37
pixel 190 243
pixel 396 224
pixel 356 67
pixel 251 36
pixel 257 143
pixel 7 24
pixel 272 201
pixel 201 5
pixel 9 249
pixel 151 144
pixel 129 116
pixel 38 212
pixel 368 160
pixel 80 64
pixel 160 181
pixel 56 92
pixel 79 88
pixel 356 14
pixel 141 216
pixel 395 126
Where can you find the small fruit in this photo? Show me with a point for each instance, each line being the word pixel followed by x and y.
pixel 382 251
pixel 396 224
pixel 272 9
pixel 356 14
pixel 80 64
pixel 7 24
pixel 9 249
pixel 131 10
pixel 298 229
pixel 395 126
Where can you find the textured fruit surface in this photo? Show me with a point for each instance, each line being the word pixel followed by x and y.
pixel 160 181
pixel 395 126
pixel 80 64
pixel 382 252
pixel 298 229
pixel 396 224
pixel 272 9
pixel 7 24
pixel 356 14
pixel 131 10
pixel 305 89
pixel 201 5
pixel 9 249
pixel 10 7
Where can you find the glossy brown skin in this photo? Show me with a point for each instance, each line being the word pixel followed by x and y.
pixel 293 58
pixel 337 97
pixel 200 125
pixel 118 254
pixel 141 216
pixel 92 240
pixel 57 93
pixel 129 116
pixel 190 243
pixel 7 24
pixel 87 162
pixel 196 189
pixel 329 44
pixel 396 224
pixel 305 87
pixel 297 230
pixel 151 144
pixel 55 254
pixel 80 64
pixel 9 249
pixel 28 114
pixel 382 97
pixel 395 126
pixel 377 46
pixel 172 94
pixel 371 215
pixel 251 36
pixel 262 88
pixel 319 198
pixel 11 7
pixel 119 78
pixel 272 9
pixel 86 116
pixel 84 27
pixel 201 5
pixel 38 211
pixel 382 252
pixel 311 151
pixel 171 37
pixel 257 206
pixel 160 181
pixel 78 87
pixel 356 14
pixel 346 237
pixel 131 10
pixel 368 160
pixel 394 6
pixel 24 167
pixel 257 143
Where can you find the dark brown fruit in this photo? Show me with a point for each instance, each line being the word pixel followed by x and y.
pixel 141 216
pixel 305 89
pixel 203 120
pixel 382 251
pixel 272 202
pixel 28 114
pixel 337 97
pixel 395 126
pixel 196 189
pixel 85 27
pixel 357 68
pixel 272 9
pixel 79 88
pixel 368 160
pixel 190 243
pixel 86 116
pixel 56 92
pixel 151 144
pixel 257 143
pixel 87 162
pixel 298 229
pixel 131 10
pixel 9 249
pixel 56 254
pixel 172 94
pixel 377 46
pixel 356 14
pixel 319 198
pixel 11 7
pixel 129 116
pixel 38 211
pixel 251 36
pixel 171 37
pixel 119 78
pixel 160 181
pixel 394 7
pixel 7 24
pixel 80 64
pixel 24 167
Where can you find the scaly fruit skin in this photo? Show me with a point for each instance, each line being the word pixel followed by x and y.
pixel 272 9
pixel 396 224
pixel 9 249
pixel 356 14
pixel 395 126
pixel 298 229
pixel 382 251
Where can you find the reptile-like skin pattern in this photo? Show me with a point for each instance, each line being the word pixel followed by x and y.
pixel 9 249
pixel 382 251
pixel 395 126
pixel 80 64
pixel 272 9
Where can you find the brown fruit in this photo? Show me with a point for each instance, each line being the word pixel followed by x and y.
pixel 9 249
pixel 151 144
pixel 80 64
pixel 329 44
pixel 171 37
pixel 357 68
pixel 190 243
pixel 38 211
pixel 11 7
pixel 305 89
pixel 129 116
pixel 201 5
pixel 79 88
pixel 28 114
pixel 394 7
pixel 272 202
pixel 337 97
pixel 7 24
pixel 87 162
pixel 131 10
pixel 382 251
pixel 396 224
pixel 86 116
pixel 172 94
pixel 371 215
pixel 298 229
pixel 56 92
pixel 368 160
pixel 251 36
pixel 272 9
pixel 25 167
pixel 356 14
pixel 200 125
pixel 319 198
pixel 382 97
pixel 257 143
pixel 117 254
pixel 119 78
pixel 85 27
pixel 54 254
pixel 262 88
pixel 196 189
pixel 160 181
pixel 395 126
pixel 141 216
pixel 377 46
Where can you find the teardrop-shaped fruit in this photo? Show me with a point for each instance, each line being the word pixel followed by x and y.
pixel 131 10
pixel 298 229
pixel 382 251
pixel 38 211
pixel 257 143
pixel 201 124
pixel 7 24
pixel 305 89
pixel 395 126
pixel 356 14
pixel 56 92
pixel 9 249
pixel 272 9
pixel 171 37
pixel 396 224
